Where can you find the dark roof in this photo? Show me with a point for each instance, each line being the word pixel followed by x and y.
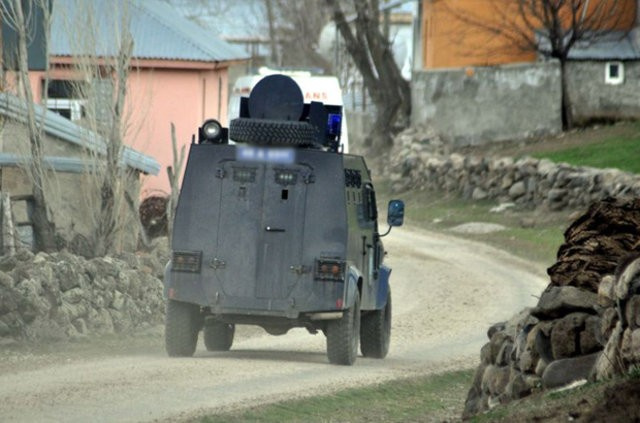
pixel 64 129
pixel 159 31
pixel 614 45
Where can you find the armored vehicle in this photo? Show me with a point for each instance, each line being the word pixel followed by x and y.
pixel 278 230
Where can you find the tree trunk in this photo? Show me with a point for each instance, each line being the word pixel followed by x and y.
pixel 567 109
pixel 382 79
pixel 43 228
pixel 273 43
pixel 113 177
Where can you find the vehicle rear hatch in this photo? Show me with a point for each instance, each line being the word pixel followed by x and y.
pixel 260 230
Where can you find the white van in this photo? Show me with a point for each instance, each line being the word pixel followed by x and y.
pixel 325 89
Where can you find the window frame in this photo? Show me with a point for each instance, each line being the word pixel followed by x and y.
pixel 614 80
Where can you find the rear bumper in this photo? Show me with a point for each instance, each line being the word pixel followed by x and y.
pixel 314 319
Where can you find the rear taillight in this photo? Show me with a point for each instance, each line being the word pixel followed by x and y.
pixel 330 270
pixel 186 261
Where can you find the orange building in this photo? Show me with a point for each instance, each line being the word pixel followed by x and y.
pixel 459 33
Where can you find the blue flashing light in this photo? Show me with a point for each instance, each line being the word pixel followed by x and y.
pixel 334 124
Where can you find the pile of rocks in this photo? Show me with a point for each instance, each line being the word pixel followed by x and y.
pixel 62 296
pixel 420 160
pixel 579 329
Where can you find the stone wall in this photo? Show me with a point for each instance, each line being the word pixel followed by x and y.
pixel 586 324
pixel 593 99
pixel 486 104
pixel 478 105
pixel 419 160
pixel 61 296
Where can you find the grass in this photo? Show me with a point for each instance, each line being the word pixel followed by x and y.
pixel 430 398
pixel 618 152
pixel 532 235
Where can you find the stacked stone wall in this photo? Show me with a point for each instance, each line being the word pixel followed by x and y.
pixel 61 296
pixel 420 161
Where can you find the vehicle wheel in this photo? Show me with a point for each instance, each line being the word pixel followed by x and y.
pixel 375 332
pixel 181 327
pixel 343 336
pixel 271 132
pixel 219 336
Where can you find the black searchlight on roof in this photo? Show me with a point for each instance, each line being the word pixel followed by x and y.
pixel 212 132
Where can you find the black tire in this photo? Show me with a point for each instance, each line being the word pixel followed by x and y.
pixel 343 336
pixel 219 336
pixel 272 132
pixel 182 324
pixel 375 331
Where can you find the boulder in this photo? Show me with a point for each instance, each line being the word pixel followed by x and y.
pixel 628 280
pixel 632 312
pixel 504 354
pixel 565 371
pixel 606 293
pixel 543 341
pixel 479 194
pixel 557 301
pixel 609 363
pixel 591 338
pixel 495 380
pixel 565 335
pixel 496 343
pixel 520 385
pixel 517 190
pixel 476 400
pixel 496 327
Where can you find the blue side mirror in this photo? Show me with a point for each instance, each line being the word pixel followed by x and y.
pixel 395 214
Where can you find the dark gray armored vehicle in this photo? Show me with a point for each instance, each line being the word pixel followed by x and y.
pixel 278 230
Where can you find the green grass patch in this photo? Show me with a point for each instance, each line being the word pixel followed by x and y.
pixel 615 152
pixel 431 398
pixel 530 234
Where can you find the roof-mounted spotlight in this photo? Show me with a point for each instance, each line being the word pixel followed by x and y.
pixel 212 132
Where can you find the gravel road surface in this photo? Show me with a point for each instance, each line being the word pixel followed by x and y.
pixel 446 293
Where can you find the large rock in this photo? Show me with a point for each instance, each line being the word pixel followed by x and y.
pixel 565 336
pixel 517 190
pixel 632 312
pixel 563 372
pixel 558 301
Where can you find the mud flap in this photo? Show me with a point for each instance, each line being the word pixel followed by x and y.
pixel 383 287
pixel 166 281
pixel 352 287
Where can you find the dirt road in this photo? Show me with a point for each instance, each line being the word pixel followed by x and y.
pixel 446 293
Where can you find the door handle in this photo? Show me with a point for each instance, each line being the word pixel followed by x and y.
pixel 272 229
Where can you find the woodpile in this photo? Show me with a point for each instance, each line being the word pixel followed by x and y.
pixel 596 242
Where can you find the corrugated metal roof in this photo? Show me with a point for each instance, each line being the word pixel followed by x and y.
pixel 57 163
pixel 614 45
pixel 158 30
pixel 61 127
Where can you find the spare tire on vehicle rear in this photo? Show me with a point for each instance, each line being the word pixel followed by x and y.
pixel 272 132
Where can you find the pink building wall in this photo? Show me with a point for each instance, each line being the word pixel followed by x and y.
pixel 161 92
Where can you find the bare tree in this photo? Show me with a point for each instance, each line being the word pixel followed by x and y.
pixel 372 55
pixel 20 16
pixel 174 172
pixel 294 29
pixel 551 28
pixel 101 67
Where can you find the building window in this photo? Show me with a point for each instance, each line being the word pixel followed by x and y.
pixel 614 73
pixel 62 98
